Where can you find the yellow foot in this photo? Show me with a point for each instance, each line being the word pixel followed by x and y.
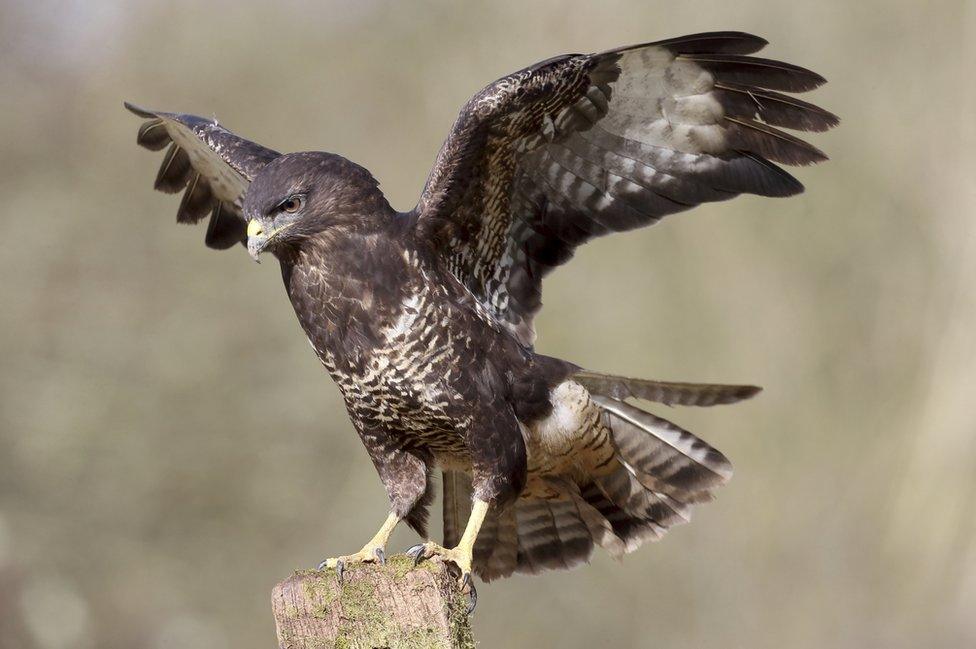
pixel 457 555
pixel 371 553
pixel 460 556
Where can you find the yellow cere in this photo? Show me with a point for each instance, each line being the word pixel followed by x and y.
pixel 254 228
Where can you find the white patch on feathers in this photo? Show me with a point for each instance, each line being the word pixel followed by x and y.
pixel 666 102
pixel 558 432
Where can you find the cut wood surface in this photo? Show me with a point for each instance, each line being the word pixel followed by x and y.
pixel 393 606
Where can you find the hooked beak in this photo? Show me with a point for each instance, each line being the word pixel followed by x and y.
pixel 258 239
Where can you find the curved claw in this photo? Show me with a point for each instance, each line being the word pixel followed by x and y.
pixel 413 549
pixel 417 552
pixel 323 564
pixel 467 581
pixel 340 568
pixel 380 556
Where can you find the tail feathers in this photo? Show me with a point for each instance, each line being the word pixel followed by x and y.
pixel 487 541
pixel 502 558
pixel 661 470
pixel 538 535
pixel 531 535
pixel 663 456
pixel 550 535
pixel 496 548
pixel 600 528
pixel 626 492
pixel 666 392
pixel 631 530
pixel 658 472
pixel 457 505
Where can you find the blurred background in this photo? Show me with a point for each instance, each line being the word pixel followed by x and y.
pixel 170 448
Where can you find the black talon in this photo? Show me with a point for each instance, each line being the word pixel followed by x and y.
pixel 340 568
pixel 380 556
pixel 472 591
pixel 323 565
pixel 417 552
pixel 414 549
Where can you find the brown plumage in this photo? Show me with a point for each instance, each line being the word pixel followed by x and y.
pixel 425 318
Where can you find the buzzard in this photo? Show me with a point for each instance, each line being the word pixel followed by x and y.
pixel 424 318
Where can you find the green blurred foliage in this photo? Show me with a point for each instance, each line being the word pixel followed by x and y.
pixel 169 447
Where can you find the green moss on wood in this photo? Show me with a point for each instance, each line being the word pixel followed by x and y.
pixel 460 623
pixel 362 623
pixel 397 566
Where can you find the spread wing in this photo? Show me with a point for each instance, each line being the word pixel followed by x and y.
pixel 212 166
pixel 579 146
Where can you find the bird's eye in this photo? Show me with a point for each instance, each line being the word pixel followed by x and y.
pixel 291 204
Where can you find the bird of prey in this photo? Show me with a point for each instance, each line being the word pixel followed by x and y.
pixel 424 318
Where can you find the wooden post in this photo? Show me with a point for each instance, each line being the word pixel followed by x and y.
pixel 396 606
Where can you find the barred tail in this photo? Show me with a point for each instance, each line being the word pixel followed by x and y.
pixel 529 536
pixel 667 392
pixel 657 473
pixel 661 471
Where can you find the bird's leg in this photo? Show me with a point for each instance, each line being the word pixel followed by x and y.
pixel 460 555
pixel 374 550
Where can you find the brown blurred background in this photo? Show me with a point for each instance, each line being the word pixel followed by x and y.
pixel 170 448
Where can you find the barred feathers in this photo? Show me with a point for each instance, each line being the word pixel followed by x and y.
pixel 580 146
pixel 657 473
pixel 666 392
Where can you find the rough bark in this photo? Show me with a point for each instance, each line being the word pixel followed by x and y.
pixel 395 606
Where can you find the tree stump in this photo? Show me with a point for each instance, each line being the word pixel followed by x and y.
pixel 396 606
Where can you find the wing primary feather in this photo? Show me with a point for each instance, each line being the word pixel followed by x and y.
pixel 764 73
pixel 153 135
pixel 225 228
pixel 197 201
pixel 772 144
pixel 707 42
pixel 774 108
pixel 174 172
pixel 138 110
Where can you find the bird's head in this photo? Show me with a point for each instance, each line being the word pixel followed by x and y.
pixel 300 195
